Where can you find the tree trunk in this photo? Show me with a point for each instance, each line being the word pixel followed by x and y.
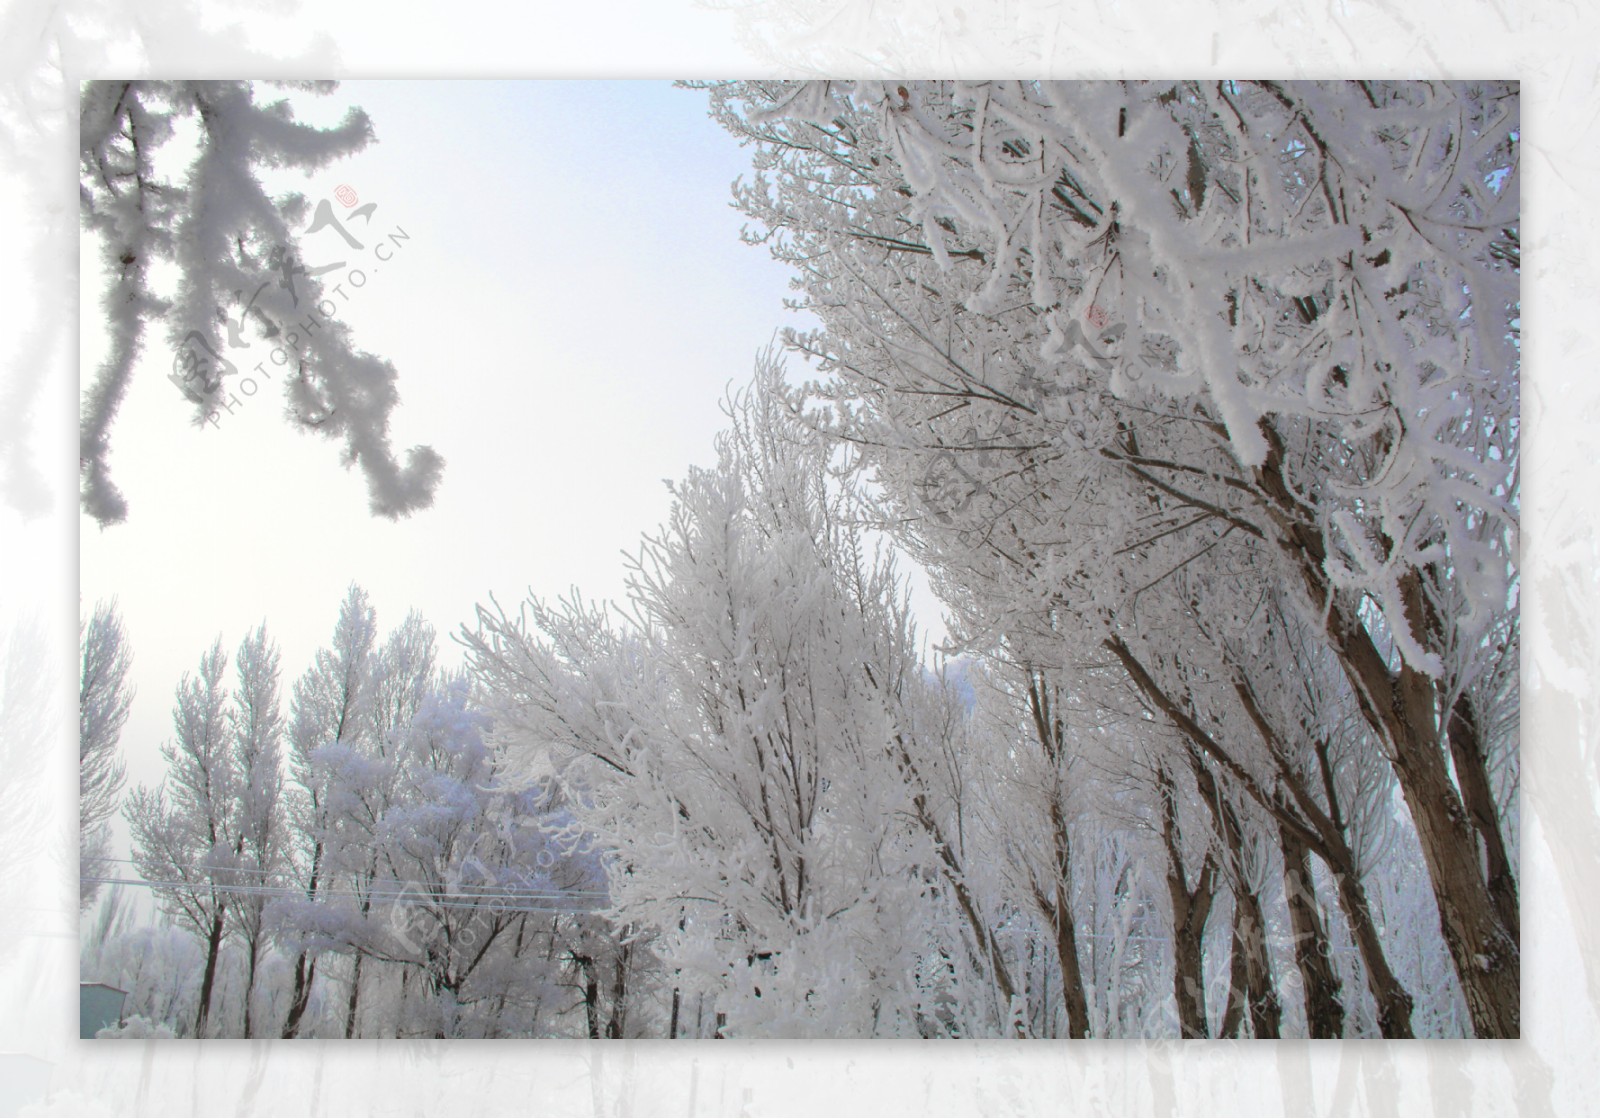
pixel 591 994
pixel 1057 912
pixel 988 951
pixel 1072 993
pixel 549 958
pixel 253 954
pixel 355 996
pixel 304 979
pixel 1190 910
pixel 1237 983
pixel 1394 1004
pixel 1321 834
pixel 1487 959
pixel 1188 959
pixel 355 978
pixel 1312 950
pixel 1466 750
pixel 1250 939
pixel 1401 708
pixel 1251 974
pixel 618 1020
pixel 1233 1013
pixel 213 950
pixel 1327 837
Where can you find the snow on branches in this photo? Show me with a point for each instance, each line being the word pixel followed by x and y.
pixel 1321 278
pixel 220 228
pixel 1130 360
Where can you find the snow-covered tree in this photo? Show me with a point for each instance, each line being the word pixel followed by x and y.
pixel 1032 793
pixel 750 751
pixel 330 709
pixel 1090 334
pixel 362 768
pixel 258 822
pixel 183 829
pixel 237 254
pixel 105 694
pixel 478 885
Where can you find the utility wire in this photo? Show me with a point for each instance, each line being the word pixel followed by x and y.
pixel 417 899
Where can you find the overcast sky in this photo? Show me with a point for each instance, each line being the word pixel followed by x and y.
pixel 567 305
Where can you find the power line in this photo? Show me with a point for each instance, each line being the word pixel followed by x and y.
pixel 416 899
pixel 412 884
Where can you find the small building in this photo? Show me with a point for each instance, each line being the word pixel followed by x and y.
pixel 99 1006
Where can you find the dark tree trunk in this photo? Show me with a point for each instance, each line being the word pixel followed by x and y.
pixel 1312 950
pixel 1322 834
pixel 988 950
pixel 1401 708
pixel 1233 1013
pixel 305 978
pixel 1394 1004
pixel 1050 729
pixel 1487 958
pixel 355 996
pixel 1266 1011
pixel 1188 959
pixel 355 977
pixel 1472 774
pixel 213 950
pixel 1072 994
pixel 1251 985
pixel 591 993
pixel 618 1021
pixel 1190 910
pixel 1325 834
pixel 253 953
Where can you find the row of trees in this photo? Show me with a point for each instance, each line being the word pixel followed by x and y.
pixel 1205 393
pixel 741 807
pixel 354 868
pixel 748 808
pixel 1198 401
pixel 822 837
